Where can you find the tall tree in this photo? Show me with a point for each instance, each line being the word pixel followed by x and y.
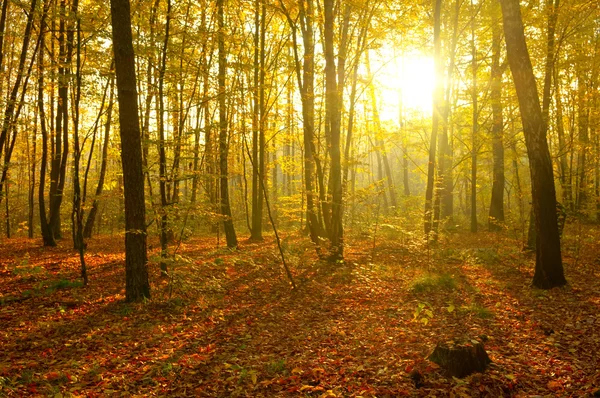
pixel 496 214
pixel 334 119
pixel 474 122
pixel 437 113
pixel 548 268
pixel 137 286
pixel 164 201
pixel 228 226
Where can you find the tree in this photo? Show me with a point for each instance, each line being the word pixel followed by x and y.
pixel 549 271
pixel 496 214
pixel 137 286
pixel 334 119
pixel 230 235
pixel 437 113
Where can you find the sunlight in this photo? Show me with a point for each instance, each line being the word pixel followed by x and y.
pixel 412 78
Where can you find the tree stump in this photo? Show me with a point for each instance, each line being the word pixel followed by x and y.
pixel 460 358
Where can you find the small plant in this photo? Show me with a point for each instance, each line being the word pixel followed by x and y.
pixel 125 310
pixel 166 368
pixel 423 313
pixel 430 283
pixel 63 284
pixel 276 367
pixel 479 311
pixel 26 377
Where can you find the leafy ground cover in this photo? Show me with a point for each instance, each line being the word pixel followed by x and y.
pixel 228 324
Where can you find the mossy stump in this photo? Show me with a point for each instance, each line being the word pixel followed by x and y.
pixel 460 358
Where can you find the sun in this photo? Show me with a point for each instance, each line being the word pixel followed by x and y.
pixel 409 78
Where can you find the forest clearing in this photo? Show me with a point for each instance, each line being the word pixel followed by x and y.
pixel 229 324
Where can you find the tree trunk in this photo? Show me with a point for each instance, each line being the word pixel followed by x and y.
pixel 223 144
pixel 496 214
pixel 47 236
pixel 475 123
pixel 91 218
pixel 77 215
pixel 164 202
pixel 137 286
pixel 437 105
pixel 9 112
pixel 334 118
pixel 548 269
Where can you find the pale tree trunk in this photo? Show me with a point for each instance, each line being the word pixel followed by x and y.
pixel 564 173
pixel 334 118
pixel 475 124
pixel 306 84
pixel 437 109
pixel 91 218
pixel 380 146
pixel 446 195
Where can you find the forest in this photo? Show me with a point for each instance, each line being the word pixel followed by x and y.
pixel 315 198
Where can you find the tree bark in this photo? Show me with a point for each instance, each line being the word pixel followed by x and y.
pixel 334 118
pixel 137 286
pixel 548 269
pixel 230 235
pixel 437 108
pixel 496 213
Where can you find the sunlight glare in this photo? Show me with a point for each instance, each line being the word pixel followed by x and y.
pixel 412 76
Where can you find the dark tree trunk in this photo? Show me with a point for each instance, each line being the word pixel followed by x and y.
pixel 9 118
pixel 496 214
pixel 137 286
pixel 548 269
pixel 47 236
pixel 164 201
pixel 77 214
pixel 230 235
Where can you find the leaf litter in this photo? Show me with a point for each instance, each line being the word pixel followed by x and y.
pixel 227 323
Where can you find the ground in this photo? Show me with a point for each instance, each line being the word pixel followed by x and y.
pixel 229 324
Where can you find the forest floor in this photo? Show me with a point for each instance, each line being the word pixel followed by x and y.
pixel 229 324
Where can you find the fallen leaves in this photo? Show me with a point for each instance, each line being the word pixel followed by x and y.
pixel 227 324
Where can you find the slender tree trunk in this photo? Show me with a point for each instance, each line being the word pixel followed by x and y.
pixel 9 118
pixel 230 235
pixel 496 214
pixel 475 123
pixel 334 116
pixel 77 216
pixel 437 107
pixel 564 172
pixel 47 236
pixel 381 149
pixel 137 286
pixel 164 202
pixel 89 224
pixel 548 269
